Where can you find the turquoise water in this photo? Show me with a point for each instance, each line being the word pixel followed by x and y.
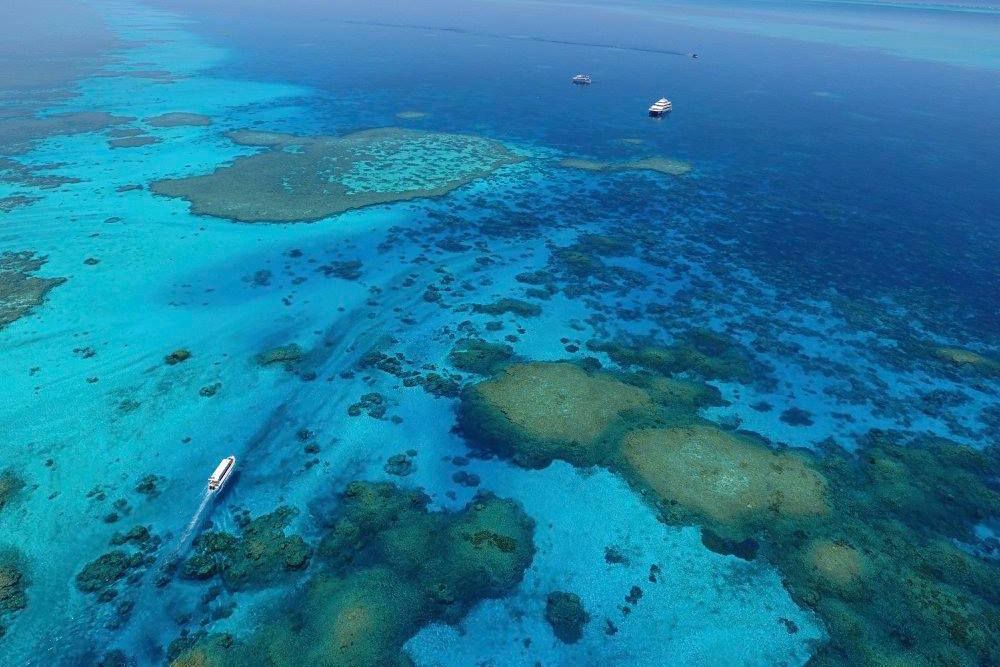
pixel 822 273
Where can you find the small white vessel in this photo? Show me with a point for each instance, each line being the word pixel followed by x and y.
pixel 582 80
pixel 222 473
pixel 661 107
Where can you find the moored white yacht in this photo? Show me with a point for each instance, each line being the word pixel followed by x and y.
pixel 222 472
pixel 660 107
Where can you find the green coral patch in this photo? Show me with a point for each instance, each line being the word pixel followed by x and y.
pixel 538 412
pixel 478 356
pixel 11 485
pixel 301 178
pixel 261 555
pixel 387 567
pixel 13 585
pixel 736 484
pixel 868 540
pixel 20 289
pixel 706 354
pixel 662 165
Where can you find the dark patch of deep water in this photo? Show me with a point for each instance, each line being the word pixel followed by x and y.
pixel 717 389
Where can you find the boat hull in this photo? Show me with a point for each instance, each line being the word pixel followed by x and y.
pixel 222 473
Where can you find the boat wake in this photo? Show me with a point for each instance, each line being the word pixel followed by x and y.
pixel 192 526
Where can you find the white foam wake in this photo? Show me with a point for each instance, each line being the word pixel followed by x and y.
pixel 192 526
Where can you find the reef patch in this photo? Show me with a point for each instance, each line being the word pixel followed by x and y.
pixel 21 290
pixel 565 614
pixel 737 485
pixel 387 567
pixel 11 486
pixel 660 165
pixel 260 556
pixel 13 586
pixel 178 119
pixel 303 178
pixel 535 413
pixel 17 133
pixel 868 540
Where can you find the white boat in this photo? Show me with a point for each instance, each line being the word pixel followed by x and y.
pixel 661 107
pixel 222 473
pixel 582 80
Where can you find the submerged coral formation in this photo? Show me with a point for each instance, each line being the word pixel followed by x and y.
pixel 968 359
pixel 18 132
pixel 261 555
pixel 178 119
pixel 565 613
pixel 868 540
pixel 387 567
pixel 662 165
pixel 704 353
pixel 20 289
pixel 539 412
pixel 475 355
pixel 738 485
pixel 11 485
pixel 13 586
pixel 301 178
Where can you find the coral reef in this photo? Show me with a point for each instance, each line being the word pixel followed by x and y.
pixel 20 289
pixel 260 556
pixel 661 165
pixel 474 355
pixel 11 485
pixel 301 178
pixel 968 359
pixel 17 133
pixel 565 613
pixel 866 539
pixel 132 142
pixel 107 569
pixel 534 413
pixel 508 305
pixel 287 355
pixel 13 585
pixel 736 485
pixel 387 567
pixel 178 119
pixel 177 356
pixel 707 354
pixel 8 204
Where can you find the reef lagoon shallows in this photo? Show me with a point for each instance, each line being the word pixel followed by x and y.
pixel 544 381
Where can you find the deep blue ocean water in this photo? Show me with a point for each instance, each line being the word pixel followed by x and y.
pixel 839 225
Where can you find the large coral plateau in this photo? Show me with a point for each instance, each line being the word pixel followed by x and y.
pixel 20 289
pixel 872 540
pixel 538 412
pixel 386 567
pixel 301 178
pixel 714 475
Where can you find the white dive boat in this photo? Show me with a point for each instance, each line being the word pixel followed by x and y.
pixel 222 473
pixel 582 80
pixel 660 107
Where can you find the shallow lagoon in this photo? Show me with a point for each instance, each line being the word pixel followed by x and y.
pixel 818 288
